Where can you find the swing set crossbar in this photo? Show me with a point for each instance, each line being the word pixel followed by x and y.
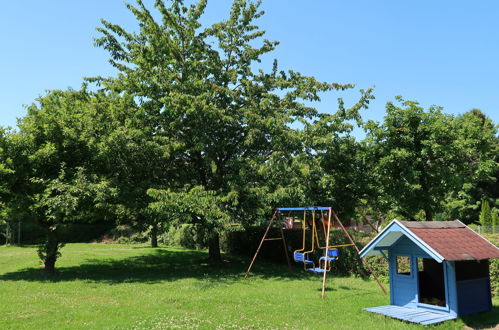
pixel 340 245
pixel 306 208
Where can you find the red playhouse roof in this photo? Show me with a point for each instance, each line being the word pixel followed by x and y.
pixel 453 240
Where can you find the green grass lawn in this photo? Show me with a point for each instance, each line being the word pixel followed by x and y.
pixel 130 286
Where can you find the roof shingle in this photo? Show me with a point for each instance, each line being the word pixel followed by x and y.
pixel 453 240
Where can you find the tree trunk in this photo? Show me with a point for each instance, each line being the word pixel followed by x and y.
pixel 214 247
pixel 154 235
pixel 50 265
pixel 428 214
pixel 51 252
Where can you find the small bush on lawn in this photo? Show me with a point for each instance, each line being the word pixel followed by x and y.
pixel 494 277
pixel 189 236
pixel 124 234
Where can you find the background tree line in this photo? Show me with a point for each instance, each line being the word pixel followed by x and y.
pixel 191 130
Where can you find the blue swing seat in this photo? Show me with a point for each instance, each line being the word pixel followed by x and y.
pixel 302 257
pixel 332 255
pixel 316 270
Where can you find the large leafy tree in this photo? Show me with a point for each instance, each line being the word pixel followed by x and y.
pixel 133 159
pixel 55 158
pixel 198 87
pixel 6 175
pixel 479 155
pixel 341 181
pixel 415 158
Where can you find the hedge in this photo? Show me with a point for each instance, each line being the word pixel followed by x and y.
pixel 245 243
pixel 68 233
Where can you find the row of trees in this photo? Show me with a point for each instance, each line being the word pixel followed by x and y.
pixel 489 219
pixel 190 131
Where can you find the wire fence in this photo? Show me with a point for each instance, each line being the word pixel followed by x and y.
pixel 488 229
pixel 10 233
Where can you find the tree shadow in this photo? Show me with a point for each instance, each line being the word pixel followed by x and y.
pixel 484 320
pixel 158 266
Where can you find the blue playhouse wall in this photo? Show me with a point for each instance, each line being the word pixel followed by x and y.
pixel 465 293
pixel 473 289
pixel 425 287
pixel 404 289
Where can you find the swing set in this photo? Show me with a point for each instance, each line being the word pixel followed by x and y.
pixel 314 224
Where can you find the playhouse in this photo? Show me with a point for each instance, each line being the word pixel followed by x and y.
pixel 438 270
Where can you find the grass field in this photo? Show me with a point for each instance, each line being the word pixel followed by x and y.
pixel 129 286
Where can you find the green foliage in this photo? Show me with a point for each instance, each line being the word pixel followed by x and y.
pixel 188 236
pixel 495 220
pixel 441 162
pixel 133 158
pixel 245 243
pixel 485 214
pixel 67 197
pixel 196 203
pixel 191 133
pixel 7 177
pixel 173 288
pixel 418 147
pixel 47 250
pixel 231 125
pixel 494 277
pixel 55 155
pixel 479 174
pixel 6 171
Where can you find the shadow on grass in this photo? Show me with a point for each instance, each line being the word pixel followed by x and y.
pixel 158 266
pixel 27 246
pixel 483 320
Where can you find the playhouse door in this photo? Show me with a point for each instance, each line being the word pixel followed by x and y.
pixel 404 284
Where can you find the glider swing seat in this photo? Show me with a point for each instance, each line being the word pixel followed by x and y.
pixel 330 252
pixel 302 257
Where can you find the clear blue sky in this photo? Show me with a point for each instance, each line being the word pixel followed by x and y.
pixel 437 52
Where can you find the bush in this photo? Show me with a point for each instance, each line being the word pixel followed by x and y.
pixel 124 234
pixel 245 243
pixel 188 236
pixel 31 233
pixel 494 277
pixel 83 232
pixel 3 230
pixel 494 265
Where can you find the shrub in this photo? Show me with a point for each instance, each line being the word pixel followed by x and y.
pixel 485 215
pixel 189 236
pixel 31 233
pixel 124 234
pixel 494 276
pixel 245 243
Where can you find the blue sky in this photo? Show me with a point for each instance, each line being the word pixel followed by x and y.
pixel 436 52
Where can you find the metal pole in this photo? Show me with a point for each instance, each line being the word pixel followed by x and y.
pixel 7 234
pixel 326 255
pixel 261 243
pixel 284 244
pixel 358 251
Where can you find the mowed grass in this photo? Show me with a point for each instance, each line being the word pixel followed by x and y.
pixel 128 286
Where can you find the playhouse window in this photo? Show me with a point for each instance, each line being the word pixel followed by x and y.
pixel 403 265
